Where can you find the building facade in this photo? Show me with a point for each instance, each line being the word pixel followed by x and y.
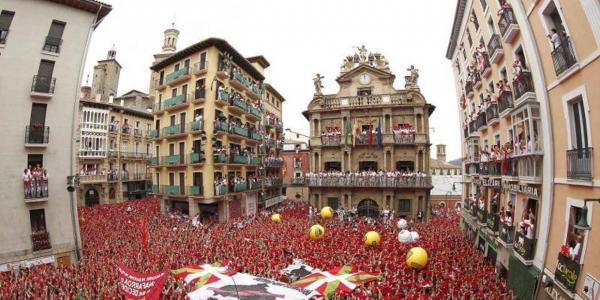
pixel 370 126
pixel 296 157
pixel 43 45
pixel 524 73
pixel 446 178
pixel 216 153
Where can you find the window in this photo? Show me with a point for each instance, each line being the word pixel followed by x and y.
pixel 34 160
pixel 469 39
pixel 363 91
pixel 578 124
pixel 43 81
pixel 176 68
pixel 575 237
pixel 520 55
pixel 186 63
pixel 432 171
pixel 202 61
pixel 54 38
pixel 5 20
pixel 161 78
pixel 173 92
pixel 404 206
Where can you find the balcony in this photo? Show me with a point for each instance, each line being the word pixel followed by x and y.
pixel 493 222
pixel 494 168
pixel 579 164
pixel 3 35
pixel 113 154
pixel 52 44
pixel 404 138
pixel 42 87
pixel 270 122
pixel 195 191
pixel 221 190
pixel 196 158
pixel 240 187
pixel 481 216
pixel 240 159
pixel 238 130
pixel 524 248
pixel 101 178
pixel 172 160
pixel 36 191
pixel 530 168
pixel 221 159
pixel 273 162
pixel 473 127
pixel 510 168
pixel 174 190
pixel 469 89
pixel 195 127
pixel 222 97
pixel 508 25
pixel 506 103
pixel 178 76
pixel 126 131
pixel 298 181
pixel 399 99
pixel 477 80
pixel 370 182
pixel 175 102
pixel 495 49
pixel 255 112
pixel 257 161
pixel 40 240
pixel 239 105
pixel 491 114
pixel 200 68
pixel 331 140
pixel 273 182
pixel 199 95
pixel 112 176
pixel 153 134
pixel 506 234
pixel 173 131
pixel 256 185
pixel 36 135
pixel 567 272
pixel 256 136
pixel 481 121
pixel 473 169
pixel 563 57
pixel 153 161
pixel 140 176
pixel 523 88
pixel 92 153
pixel 221 126
pixel 137 132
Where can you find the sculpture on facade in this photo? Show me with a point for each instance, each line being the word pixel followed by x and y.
pixel 226 62
pixel 412 79
pixel 318 84
pixel 362 54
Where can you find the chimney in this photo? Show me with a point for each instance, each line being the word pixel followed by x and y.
pixel 441 152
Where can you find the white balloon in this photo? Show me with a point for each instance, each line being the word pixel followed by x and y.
pixel 414 236
pixel 404 237
pixel 402 224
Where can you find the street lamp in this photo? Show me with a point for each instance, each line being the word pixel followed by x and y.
pixel 582 223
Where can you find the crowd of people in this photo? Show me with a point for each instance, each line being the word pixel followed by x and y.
pixel 367 178
pixel 404 134
pixel 111 235
pixel 35 182
pixel 331 137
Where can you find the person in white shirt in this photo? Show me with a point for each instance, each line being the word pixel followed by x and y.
pixel 554 39
pixel 574 247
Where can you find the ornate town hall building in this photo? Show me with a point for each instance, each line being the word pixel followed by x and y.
pixel 370 141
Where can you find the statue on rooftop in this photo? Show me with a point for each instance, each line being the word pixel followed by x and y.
pixel 413 78
pixel 318 84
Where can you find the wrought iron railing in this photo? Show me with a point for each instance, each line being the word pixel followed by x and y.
pixel 371 181
pixel 522 85
pixel 563 56
pixel 43 84
pixel 579 163
pixel 52 44
pixel 507 18
pixel 506 101
pixel 494 44
pixel 40 240
pixel 36 189
pixel 37 134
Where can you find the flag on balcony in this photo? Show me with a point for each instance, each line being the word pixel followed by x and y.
pixel 379 134
pixel 370 133
pixel 356 131
pixel 347 131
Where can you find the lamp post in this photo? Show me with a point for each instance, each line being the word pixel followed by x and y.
pixel 582 223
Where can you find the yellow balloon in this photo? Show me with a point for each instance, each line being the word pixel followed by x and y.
pixel 276 218
pixel 326 212
pixel 317 232
pixel 372 238
pixel 417 258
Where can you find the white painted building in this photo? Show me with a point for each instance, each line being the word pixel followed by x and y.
pixel 43 45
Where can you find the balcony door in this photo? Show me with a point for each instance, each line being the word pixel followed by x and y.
pixel 408 166
pixel 181 152
pixel 181 182
pixel 44 76
pixel 37 123
pixel 367 166
pixel 578 124
pixel 333 166
pixel 37 219
pixel 182 122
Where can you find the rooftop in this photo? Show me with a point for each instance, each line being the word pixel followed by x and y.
pixel 92 6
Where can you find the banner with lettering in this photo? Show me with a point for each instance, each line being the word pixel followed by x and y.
pixel 137 286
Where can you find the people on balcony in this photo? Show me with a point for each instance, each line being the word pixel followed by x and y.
pixel 220 184
pixel 555 39
pixel 482 57
pixel 273 180
pixel 222 93
pixel 517 69
pixel 126 127
pixel 506 217
pixel 35 182
pixel 403 133
pixel 367 178
pixel 198 117
pixel 114 126
pixel 503 6
pixel 575 247
pixel 331 137
pixel 527 225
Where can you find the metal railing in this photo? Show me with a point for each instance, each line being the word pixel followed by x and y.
pixel 273 182
pixel 507 18
pixel 173 130
pixel 481 120
pixel 522 85
pixel 404 138
pixel 494 44
pixel 35 134
pixel 52 44
pixel 491 113
pixel 333 102
pixel 40 241
pixel 579 163
pixel 36 189
pixel 43 84
pixel 331 140
pixel 173 101
pixel 371 181
pixel 469 87
pixel 273 162
pixel 506 101
pixel 506 233
pixel 472 126
pixel 177 74
pixel 563 56
pixel 298 181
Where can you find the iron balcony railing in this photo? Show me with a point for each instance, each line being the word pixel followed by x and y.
pixel 37 134
pixel 3 35
pixel 173 130
pixel 507 233
pixel 563 56
pixel 468 87
pixel 507 18
pixel 473 126
pixel 506 101
pixel 239 103
pixel 494 44
pixel 510 167
pixel 493 222
pixel 176 74
pixel 238 130
pixel 221 126
pixel 331 140
pixel 36 189
pixel 199 94
pixel 196 158
pixel 371 181
pixel 567 272
pixel 334 102
pixel 579 163
pixel 179 99
pixel 43 84
pixel 298 181
pixel 170 160
pixel 273 162
pixel 52 44
pixel 481 120
pixel 404 138
pixel 523 84
pixel 40 240
pixel 194 190
pixel 195 126
pixel 491 113
pixel 273 182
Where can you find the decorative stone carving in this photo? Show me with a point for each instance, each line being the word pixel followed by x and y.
pixel 318 84
pixel 412 79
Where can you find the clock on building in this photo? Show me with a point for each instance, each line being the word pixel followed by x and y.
pixel 364 78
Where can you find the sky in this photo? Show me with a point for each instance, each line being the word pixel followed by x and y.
pixel 299 39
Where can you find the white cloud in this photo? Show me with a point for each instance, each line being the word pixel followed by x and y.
pixel 299 38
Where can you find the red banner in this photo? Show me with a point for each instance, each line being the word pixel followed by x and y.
pixel 135 285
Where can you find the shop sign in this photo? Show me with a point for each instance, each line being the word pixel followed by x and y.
pixel 567 272
pixel 491 182
pixel 521 188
